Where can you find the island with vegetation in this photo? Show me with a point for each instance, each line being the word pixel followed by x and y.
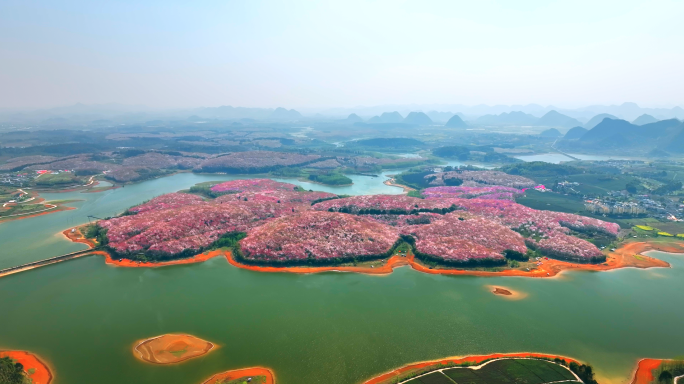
pixel 264 223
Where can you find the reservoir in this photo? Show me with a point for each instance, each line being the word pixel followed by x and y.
pixel 83 316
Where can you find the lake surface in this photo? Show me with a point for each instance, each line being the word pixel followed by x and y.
pixel 83 316
pixel 557 158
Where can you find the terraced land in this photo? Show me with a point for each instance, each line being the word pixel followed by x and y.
pixel 505 371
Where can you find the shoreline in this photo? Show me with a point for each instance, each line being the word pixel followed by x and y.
pixel 391 182
pixel 235 374
pixel 385 378
pixel 54 209
pixel 623 257
pixel 42 373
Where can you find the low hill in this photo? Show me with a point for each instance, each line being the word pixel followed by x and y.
pixel 594 121
pixel 621 134
pixel 644 119
pixel 555 119
pixel 388 142
pixel 418 118
pixel 456 122
pixel 575 133
pixel 606 129
pixel 551 133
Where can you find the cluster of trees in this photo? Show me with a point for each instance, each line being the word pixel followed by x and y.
pixel 11 372
pixel 332 178
pixel 395 211
pixel 480 153
pixel 540 169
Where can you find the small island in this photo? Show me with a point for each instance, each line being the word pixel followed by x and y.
pixel 171 348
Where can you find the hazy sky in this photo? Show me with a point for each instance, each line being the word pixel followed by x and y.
pixel 340 53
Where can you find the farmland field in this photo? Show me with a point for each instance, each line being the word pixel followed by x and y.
pixel 527 371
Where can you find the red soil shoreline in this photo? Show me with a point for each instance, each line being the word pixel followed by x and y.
pixel 244 372
pixel 42 374
pixel 623 257
pixel 643 373
pixel 58 208
pixel 476 360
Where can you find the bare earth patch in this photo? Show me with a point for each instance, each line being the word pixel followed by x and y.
pixel 171 348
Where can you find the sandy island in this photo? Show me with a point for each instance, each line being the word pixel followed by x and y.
pixel 505 292
pixel 35 368
pixel 393 183
pixel 389 377
pixel 224 377
pixel 171 348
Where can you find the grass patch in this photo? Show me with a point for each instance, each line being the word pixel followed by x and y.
pixel 552 202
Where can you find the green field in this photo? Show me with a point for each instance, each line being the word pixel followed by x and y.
pixel 552 202
pixel 21 209
pixel 513 371
pixel 48 179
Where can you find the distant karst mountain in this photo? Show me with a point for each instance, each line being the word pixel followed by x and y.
pixel 575 133
pixel 439 116
pixel 676 143
pixel 555 119
pixel 387 117
pixel 512 118
pixel 284 114
pixel 551 133
pixel 644 119
pixel 418 118
pixel 594 121
pixel 456 122
pixel 354 118
pixel 623 135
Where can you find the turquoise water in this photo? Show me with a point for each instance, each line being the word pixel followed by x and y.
pixel 83 316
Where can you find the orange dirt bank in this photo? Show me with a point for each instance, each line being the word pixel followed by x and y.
pixel 239 373
pixel 41 374
pixel 644 371
pixel 171 348
pixel 475 360
pixel 58 208
pixel 621 258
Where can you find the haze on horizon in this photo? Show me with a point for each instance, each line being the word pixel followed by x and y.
pixel 301 54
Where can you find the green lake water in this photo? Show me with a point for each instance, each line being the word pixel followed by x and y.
pixel 83 316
